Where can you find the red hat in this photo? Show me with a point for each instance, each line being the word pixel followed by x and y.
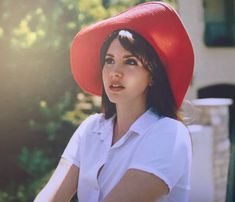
pixel 159 24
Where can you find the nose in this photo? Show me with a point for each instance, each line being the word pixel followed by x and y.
pixel 116 71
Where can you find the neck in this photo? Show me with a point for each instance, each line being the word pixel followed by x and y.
pixel 126 116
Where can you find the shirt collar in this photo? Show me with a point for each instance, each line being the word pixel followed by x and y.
pixel 104 126
pixel 148 118
pixel 142 123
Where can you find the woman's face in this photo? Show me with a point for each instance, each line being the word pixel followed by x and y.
pixel 124 76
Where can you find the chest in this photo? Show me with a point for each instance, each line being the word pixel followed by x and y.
pixel 103 162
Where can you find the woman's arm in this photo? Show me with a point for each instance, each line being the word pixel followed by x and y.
pixel 62 184
pixel 137 186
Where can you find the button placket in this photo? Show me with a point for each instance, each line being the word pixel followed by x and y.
pixel 101 164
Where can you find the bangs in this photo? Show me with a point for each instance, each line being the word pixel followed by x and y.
pixel 132 42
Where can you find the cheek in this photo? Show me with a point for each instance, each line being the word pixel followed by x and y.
pixel 142 78
pixel 104 75
pixel 146 77
pixel 145 82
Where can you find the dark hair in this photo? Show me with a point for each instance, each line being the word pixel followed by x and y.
pixel 159 95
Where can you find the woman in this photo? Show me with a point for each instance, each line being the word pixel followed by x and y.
pixel 141 61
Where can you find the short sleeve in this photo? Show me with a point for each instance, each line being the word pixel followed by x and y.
pixel 72 151
pixel 164 151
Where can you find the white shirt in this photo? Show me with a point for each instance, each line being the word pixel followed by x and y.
pixel 158 145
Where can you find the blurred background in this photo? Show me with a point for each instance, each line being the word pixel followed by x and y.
pixel 40 103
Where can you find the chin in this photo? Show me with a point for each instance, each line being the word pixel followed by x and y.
pixel 112 99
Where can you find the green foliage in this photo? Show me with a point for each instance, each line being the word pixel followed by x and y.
pixel 24 192
pixel 90 11
pixel 52 116
pixel 25 35
pixel 38 161
pixel 85 106
pixel 4 196
pixel 35 162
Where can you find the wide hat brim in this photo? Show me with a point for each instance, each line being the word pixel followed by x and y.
pixel 159 24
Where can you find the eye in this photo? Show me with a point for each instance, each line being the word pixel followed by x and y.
pixel 108 60
pixel 131 61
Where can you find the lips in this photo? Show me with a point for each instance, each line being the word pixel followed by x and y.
pixel 116 87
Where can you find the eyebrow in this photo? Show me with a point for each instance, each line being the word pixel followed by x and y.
pixel 108 54
pixel 130 56
pixel 126 56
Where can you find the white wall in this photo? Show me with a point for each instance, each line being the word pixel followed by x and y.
pixel 212 65
pixel 202 172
